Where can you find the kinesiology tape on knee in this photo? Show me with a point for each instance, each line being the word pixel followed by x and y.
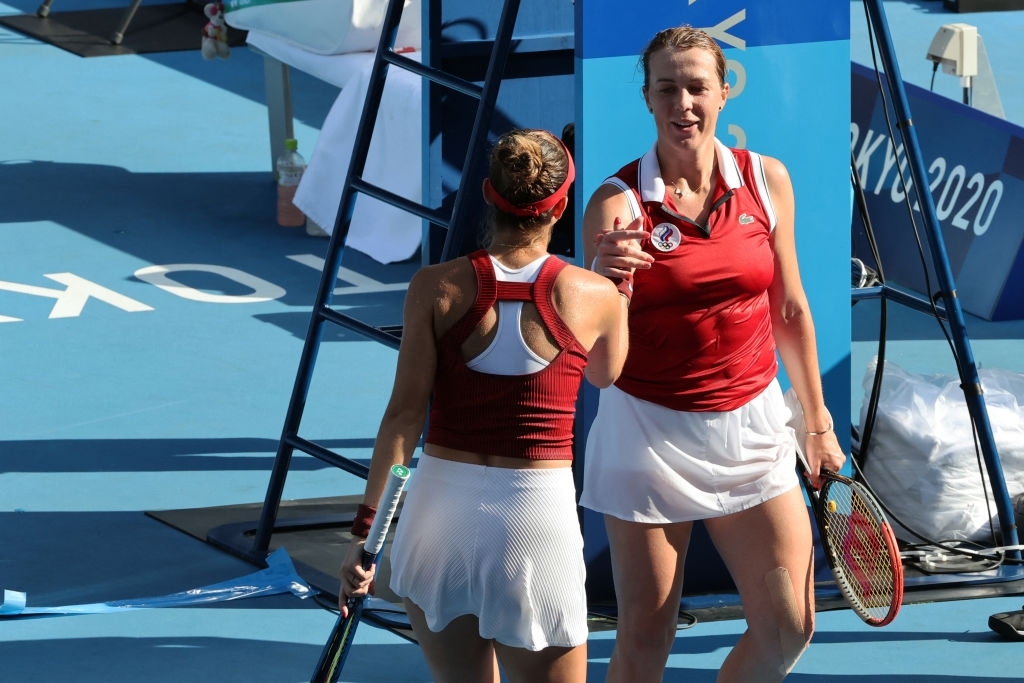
pixel 792 635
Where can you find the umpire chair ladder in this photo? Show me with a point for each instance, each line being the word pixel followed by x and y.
pixel 454 223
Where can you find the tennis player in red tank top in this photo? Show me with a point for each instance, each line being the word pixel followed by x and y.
pixel 696 428
pixel 488 551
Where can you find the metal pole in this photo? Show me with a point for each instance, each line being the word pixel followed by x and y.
pixel 970 380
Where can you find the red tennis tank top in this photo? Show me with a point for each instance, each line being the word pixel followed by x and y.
pixel 700 331
pixel 520 416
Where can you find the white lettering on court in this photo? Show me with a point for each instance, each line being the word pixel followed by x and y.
pixel 71 300
pixel 261 289
pixel 361 283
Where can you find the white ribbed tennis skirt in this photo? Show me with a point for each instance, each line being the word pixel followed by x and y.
pixel 502 544
pixel 648 463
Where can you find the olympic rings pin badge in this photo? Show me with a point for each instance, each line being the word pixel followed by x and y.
pixel 665 237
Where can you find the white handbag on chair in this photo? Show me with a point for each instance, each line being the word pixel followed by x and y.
pixel 326 27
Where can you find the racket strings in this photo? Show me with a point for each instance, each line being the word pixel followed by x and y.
pixel 858 542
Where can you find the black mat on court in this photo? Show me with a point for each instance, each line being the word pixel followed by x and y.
pixel 314 532
pixel 153 28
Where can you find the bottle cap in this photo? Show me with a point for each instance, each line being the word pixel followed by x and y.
pixel 291 144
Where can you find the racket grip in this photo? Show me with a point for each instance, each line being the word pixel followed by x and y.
pixel 385 511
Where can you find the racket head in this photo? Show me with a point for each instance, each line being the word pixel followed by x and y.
pixel 861 548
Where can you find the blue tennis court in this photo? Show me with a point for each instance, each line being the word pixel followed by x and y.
pixel 153 315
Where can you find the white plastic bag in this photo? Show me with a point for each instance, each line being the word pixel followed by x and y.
pixel 922 463
pixel 326 27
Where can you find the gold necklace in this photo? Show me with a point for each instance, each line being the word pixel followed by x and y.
pixel 678 192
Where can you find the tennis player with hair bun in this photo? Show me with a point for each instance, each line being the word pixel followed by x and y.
pixel 696 427
pixel 488 553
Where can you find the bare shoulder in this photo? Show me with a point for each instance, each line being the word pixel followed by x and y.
pixel 604 192
pixel 585 286
pixel 446 289
pixel 606 204
pixel 591 306
pixel 444 283
pixel 442 274
pixel 607 199
pixel 775 172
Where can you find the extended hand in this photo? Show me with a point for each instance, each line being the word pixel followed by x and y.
pixel 618 250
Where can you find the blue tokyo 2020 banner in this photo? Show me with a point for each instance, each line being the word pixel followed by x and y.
pixel 975 165
pixel 789 76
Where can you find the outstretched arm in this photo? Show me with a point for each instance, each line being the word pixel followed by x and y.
pixel 794 328
pixel 609 312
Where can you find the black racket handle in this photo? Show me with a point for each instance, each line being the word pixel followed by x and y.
pixel 335 651
pixel 332 657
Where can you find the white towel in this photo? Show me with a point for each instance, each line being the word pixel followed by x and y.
pixel 394 161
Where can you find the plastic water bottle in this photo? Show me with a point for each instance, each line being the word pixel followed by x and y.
pixel 290 167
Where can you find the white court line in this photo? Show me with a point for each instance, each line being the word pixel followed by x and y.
pixel 360 283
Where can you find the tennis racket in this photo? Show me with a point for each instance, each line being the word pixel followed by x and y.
pixel 859 545
pixel 335 651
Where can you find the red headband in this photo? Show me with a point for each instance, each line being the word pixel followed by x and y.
pixel 538 207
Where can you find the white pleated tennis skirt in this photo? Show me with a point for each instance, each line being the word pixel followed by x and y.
pixel 502 544
pixel 648 463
